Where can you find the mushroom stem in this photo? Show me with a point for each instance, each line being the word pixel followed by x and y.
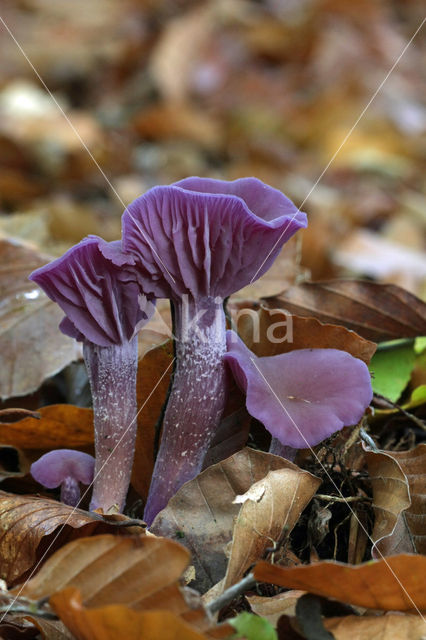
pixel 112 374
pixel 70 491
pixel 196 401
pixel 279 449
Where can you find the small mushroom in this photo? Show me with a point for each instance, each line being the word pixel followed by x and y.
pixel 303 396
pixel 65 468
pixel 197 242
pixel 104 309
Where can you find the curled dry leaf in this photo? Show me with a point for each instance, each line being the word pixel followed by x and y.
pixel 201 515
pixel 117 621
pixel 31 345
pixel 29 526
pixel 375 311
pixel 58 426
pixel 272 508
pixel 397 627
pixel 281 332
pixel 399 500
pixel 391 584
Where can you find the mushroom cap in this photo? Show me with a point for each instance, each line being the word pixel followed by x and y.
pixel 303 396
pixel 207 237
pixel 52 468
pixel 99 297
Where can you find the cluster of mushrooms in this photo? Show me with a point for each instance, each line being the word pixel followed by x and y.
pixel 195 242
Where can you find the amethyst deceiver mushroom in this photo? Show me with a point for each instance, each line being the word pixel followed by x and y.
pixel 104 309
pixel 303 396
pixel 196 242
pixel 65 468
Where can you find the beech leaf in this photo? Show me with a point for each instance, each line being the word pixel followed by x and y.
pixel 28 526
pixel 201 515
pixel 31 345
pixel 395 583
pixel 399 500
pixel 58 426
pixel 377 312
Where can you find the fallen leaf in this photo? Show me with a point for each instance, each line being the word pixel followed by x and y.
pixel 201 515
pixel 397 627
pixel 30 526
pixel 269 332
pixel 395 583
pixel 369 254
pixel 283 273
pixel 154 372
pixel 399 500
pixel 51 629
pixel 377 312
pixel 391 368
pixel 59 425
pixel 140 571
pixel 10 414
pixel 272 508
pixel 31 344
pixel 116 621
pixel 274 607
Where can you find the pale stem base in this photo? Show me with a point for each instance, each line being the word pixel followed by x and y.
pixel 112 374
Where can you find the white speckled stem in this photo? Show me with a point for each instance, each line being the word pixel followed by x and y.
pixel 70 491
pixel 282 450
pixel 196 400
pixel 112 374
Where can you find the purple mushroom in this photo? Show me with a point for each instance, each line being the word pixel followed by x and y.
pixel 65 468
pixel 196 242
pixel 104 309
pixel 303 396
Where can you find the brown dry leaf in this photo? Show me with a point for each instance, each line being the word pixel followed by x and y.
pixel 395 626
pixel 154 373
pixel 295 332
pixel 201 515
pixel 172 59
pixel 271 506
pixel 138 571
pixel 59 425
pixel 283 273
pixel 392 584
pixel 51 629
pixel 28 526
pixel 368 253
pixel 274 607
pixel 178 120
pixel 399 495
pixel 31 344
pixel 375 311
pixel 117 621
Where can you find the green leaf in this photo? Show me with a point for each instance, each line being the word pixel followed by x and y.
pixel 391 367
pixel 253 627
pixel 420 344
pixel 418 397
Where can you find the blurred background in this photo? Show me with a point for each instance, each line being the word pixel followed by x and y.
pixel 160 90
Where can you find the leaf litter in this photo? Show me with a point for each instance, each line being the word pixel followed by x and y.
pixel 236 104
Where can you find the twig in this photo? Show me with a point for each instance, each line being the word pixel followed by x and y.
pixel 236 590
pixel 368 440
pixel 420 423
pixel 338 499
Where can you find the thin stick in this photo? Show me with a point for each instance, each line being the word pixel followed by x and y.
pixel 228 596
